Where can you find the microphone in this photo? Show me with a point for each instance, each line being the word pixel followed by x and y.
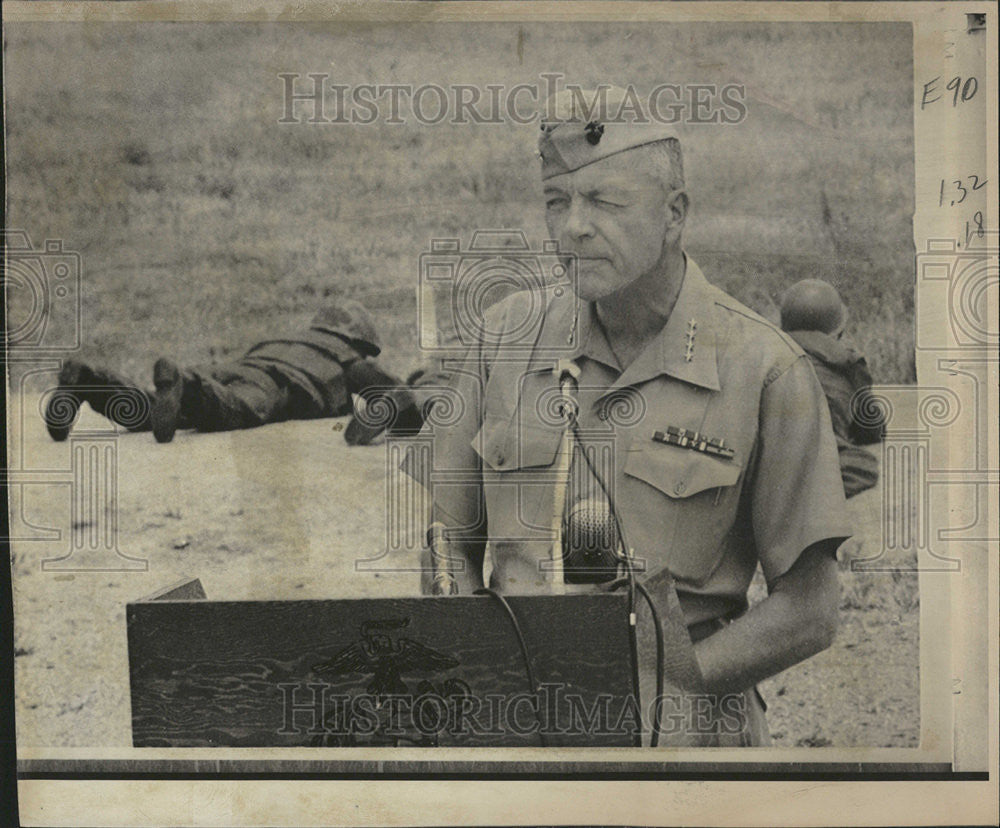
pixel 569 378
pixel 569 374
pixel 590 543
pixel 442 580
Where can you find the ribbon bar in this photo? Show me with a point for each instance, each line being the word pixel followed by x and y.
pixel 695 441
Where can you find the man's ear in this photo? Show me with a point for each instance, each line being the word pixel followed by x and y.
pixel 677 207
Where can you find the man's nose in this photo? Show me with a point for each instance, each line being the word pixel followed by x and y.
pixel 578 223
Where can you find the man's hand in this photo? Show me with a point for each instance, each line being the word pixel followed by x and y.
pixel 465 581
pixel 797 620
pixel 389 406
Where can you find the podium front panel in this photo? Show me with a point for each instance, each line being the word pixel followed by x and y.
pixel 381 672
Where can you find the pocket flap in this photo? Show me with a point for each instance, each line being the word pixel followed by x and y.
pixel 504 446
pixel 680 472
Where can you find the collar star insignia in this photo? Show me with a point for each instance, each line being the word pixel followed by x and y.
pixel 689 340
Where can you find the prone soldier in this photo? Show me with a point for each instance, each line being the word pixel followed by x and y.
pixel 310 374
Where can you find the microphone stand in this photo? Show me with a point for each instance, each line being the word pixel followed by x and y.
pixel 443 582
pixel 569 375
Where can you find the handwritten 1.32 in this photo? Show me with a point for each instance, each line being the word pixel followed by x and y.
pixel 961 191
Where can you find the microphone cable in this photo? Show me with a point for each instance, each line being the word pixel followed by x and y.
pixel 654 738
pixel 633 586
pixel 619 528
pixel 524 654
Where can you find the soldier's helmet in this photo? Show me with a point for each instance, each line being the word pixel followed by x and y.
pixel 813 305
pixel 349 320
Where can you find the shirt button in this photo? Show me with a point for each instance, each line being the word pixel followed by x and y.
pixel 680 488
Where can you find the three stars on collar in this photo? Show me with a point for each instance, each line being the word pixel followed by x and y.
pixel 685 349
pixel 689 336
pixel 689 340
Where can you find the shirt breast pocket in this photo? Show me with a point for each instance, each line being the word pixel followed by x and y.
pixel 506 447
pixel 518 475
pixel 688 507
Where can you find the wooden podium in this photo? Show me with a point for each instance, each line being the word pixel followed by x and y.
pixel 416 671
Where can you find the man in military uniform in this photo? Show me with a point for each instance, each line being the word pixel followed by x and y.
pixel 310 374
pixel 724 457
pixel 814 315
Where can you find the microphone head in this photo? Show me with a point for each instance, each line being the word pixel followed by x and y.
pixel 569 375
pixel 590 525
pixel 590 542
pixel 569 371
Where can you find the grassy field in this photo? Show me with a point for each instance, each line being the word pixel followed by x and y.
pixel 204 224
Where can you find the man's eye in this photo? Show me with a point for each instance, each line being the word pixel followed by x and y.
pixel 555 203
pixel 607 202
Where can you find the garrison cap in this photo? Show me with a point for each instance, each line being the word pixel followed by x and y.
pixel 350 321
pixel 580 127
pixel 813 305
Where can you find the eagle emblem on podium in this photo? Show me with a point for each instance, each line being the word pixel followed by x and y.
pixel 385 655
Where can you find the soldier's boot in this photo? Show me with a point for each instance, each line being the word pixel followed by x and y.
pixel 110 394
pixel 383 404
pixel 168 405
pixel 63 407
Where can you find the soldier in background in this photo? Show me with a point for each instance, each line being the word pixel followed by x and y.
pixel 311 374
pixel 813 314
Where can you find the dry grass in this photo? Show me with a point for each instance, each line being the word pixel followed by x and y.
pixel 205 225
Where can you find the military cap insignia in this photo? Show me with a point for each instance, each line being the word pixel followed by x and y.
pixel 593 131
pixel 574 133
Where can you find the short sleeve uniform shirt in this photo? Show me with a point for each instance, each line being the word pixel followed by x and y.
pixel 717 369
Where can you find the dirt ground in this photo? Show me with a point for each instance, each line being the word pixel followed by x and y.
pixel 290 511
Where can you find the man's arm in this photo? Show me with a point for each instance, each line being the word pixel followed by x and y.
pixel 799 520
pixel 457 500
pixel 797 620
